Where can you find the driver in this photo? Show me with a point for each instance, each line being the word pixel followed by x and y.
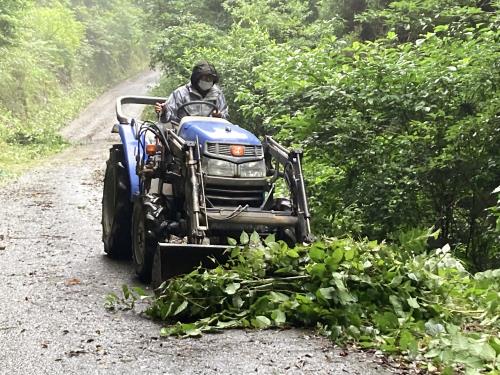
pixel 203 86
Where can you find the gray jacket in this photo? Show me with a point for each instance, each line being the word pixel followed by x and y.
pixel 187 93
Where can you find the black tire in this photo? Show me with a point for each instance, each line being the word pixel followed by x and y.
pixel 116 206
pixel 144 238
pixel 288 235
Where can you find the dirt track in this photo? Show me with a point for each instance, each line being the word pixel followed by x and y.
pixel 54 277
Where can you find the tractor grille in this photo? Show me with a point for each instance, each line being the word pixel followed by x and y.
pixel 233 196
pixel 224 149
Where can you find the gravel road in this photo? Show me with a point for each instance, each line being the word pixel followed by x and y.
pixel 54 277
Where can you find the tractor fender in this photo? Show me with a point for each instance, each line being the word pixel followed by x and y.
pixel 130 148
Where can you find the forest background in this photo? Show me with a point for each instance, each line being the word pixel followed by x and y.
pixel 396 106
pixel 395 103
pixel 55 57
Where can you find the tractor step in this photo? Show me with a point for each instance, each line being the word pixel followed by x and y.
pixel 176 259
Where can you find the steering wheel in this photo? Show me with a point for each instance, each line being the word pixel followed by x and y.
pixel 183 107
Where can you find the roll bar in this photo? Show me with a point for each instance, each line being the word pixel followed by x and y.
pixel 147 100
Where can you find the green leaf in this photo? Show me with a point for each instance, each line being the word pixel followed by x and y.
pixel 229 324
pixel 166 331
pixel 292 253
pixel 261 322
pixel 126 291
pixel 483 350
pixel 412 276
pixel 255 238
pixel 413 303
pixel 433 353
pixel 244 239
pixel 316 254
pixel 349 254
pixel 345 297
pixel 232 288
pixel 391 35
pixel 235 252
pixel 337 255
pixel 318 270
pixel 396 281
pixel 181 307
pixel 278 316
pixel 473 363
pixel 326 293
pixel 460 343
pixel 407 342
pixel 278 297
pixel 398 306
pixel 232 241
pixel 270 239
pixel 191 330
pixel 440 28
pixel 353 331
pixel 495 344
pixel 333 260
pixel 238 301
pixel 338 280
pixel 386 321
pixel 141 292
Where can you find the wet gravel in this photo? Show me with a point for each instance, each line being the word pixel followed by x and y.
pixel 54 277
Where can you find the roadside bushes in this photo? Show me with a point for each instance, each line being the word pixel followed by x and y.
pixel 406 133
pixel 399 133
pixel 55 56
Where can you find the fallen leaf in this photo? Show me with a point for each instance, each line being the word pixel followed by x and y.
pixel 72 281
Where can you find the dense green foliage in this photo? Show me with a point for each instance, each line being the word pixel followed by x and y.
pixel 54 57
pixel 426 307
pixel 395 103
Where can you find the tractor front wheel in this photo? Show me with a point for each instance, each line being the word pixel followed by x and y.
pixel 144 238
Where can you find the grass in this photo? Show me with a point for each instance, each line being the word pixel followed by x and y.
pixel 25 142
pixel 17 159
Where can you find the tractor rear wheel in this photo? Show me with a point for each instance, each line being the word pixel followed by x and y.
pixel 116 206
pixel 144 237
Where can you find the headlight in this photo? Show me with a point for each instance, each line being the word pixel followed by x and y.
pixel 216 167
pixel 253 169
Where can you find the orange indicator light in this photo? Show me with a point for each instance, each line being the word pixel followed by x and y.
pixel 151 149
pixel 237 150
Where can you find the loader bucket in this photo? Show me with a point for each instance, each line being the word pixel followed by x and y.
pixel 176 259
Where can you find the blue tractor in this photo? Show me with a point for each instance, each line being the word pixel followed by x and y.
pixel 174 193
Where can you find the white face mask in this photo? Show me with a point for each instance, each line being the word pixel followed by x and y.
pixel 205 85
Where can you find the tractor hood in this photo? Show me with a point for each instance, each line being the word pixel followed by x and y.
pixel 211 129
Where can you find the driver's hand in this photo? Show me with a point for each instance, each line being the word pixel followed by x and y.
pixel 159 107
pixel 216 113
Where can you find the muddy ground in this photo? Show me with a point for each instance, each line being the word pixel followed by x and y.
pixel 54 277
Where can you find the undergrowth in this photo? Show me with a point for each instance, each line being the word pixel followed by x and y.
pixel 23 142
pixel 423 306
